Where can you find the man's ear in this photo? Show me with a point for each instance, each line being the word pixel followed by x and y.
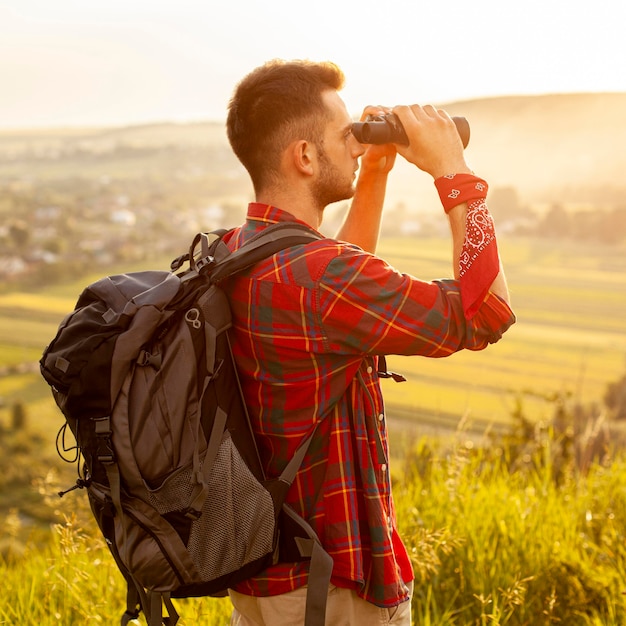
pixel 303 156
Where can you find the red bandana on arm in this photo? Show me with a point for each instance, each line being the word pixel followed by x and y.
pixel 479 262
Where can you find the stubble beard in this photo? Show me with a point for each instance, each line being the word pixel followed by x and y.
pixel 332 185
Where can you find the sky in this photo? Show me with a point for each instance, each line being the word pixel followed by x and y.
pixel 122 62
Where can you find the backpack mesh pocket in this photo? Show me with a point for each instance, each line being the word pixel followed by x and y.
pixel 174 494
pixel 237 525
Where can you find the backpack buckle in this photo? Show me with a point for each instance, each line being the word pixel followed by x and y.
pixel 193 514
pixel 203 263
pixel 104 452
pixel 145 358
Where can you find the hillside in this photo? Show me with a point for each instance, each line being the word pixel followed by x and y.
pixel 553 148
pixel 549 145
pixel 567 148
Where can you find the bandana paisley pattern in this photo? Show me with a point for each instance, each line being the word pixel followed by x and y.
pixel 479 233
pixel 479 261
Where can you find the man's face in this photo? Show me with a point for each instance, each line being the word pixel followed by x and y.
pixel 337 155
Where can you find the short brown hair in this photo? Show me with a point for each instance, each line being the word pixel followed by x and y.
pixel 276 103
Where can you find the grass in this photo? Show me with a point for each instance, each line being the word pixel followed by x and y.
pixel 74 581
pixel 515 548
pixel 490 546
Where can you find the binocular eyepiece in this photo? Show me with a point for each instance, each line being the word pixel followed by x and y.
pixel 381 129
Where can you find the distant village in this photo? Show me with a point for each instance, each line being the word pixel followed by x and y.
pixel 70 208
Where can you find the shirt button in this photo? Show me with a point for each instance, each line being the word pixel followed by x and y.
pixel 381 417
pixel 369 369
pixel 383 467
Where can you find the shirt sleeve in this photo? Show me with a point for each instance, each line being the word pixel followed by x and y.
pixel 367 306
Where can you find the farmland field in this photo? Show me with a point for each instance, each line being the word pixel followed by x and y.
pixel 570 337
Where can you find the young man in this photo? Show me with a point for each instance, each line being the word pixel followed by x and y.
pixel 311 322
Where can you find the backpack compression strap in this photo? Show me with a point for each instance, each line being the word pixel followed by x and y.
pixel 321 565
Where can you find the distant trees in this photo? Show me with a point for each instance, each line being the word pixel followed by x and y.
pixel 504 204
pixel 18 234
pixel 615 398
pixel 606 225
pixel 601 225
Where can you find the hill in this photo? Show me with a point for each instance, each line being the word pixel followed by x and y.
pixel 552 145
pixel 568 148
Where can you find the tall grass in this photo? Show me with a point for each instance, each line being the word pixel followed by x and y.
pixel 543 543
pixel 538 545
pixel 71 579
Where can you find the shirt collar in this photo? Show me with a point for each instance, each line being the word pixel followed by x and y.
pixel 259 213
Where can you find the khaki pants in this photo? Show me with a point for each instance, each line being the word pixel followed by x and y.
pixel 344 608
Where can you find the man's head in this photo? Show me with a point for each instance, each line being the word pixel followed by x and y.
pixel 274 105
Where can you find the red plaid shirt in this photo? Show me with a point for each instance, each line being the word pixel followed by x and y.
pixel 308 324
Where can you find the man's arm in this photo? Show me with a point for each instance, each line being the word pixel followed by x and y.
pixel 436 148
pixel 361 225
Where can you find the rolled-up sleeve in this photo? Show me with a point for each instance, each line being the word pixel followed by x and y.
pixel 367 306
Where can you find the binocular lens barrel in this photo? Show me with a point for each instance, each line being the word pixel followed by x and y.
pixel 388 129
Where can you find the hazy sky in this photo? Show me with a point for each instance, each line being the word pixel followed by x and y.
pixel 85 62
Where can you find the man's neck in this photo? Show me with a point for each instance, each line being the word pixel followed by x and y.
pixel 299 204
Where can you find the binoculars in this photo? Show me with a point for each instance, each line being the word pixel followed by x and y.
pixel 381 129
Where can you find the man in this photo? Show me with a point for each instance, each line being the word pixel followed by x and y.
pixel 311 323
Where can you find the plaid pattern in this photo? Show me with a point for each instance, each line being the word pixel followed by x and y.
pixel 308 326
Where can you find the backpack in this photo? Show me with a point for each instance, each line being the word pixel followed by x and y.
pixel 143 372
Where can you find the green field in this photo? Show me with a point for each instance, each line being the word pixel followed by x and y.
pixel 570 337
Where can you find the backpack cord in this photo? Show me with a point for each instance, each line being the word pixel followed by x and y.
pixel 63 448
pixel 83 479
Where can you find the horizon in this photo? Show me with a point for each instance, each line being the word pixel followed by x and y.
pixel 134 62
pixel 78 128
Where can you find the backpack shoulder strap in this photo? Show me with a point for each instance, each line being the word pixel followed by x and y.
pixel 263 245
pixel 266 243
pixel 269 241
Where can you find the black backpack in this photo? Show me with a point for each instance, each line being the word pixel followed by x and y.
pixel 142 369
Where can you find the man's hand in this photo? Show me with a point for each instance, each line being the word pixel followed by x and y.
pixel 378 159
pixel 434 143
